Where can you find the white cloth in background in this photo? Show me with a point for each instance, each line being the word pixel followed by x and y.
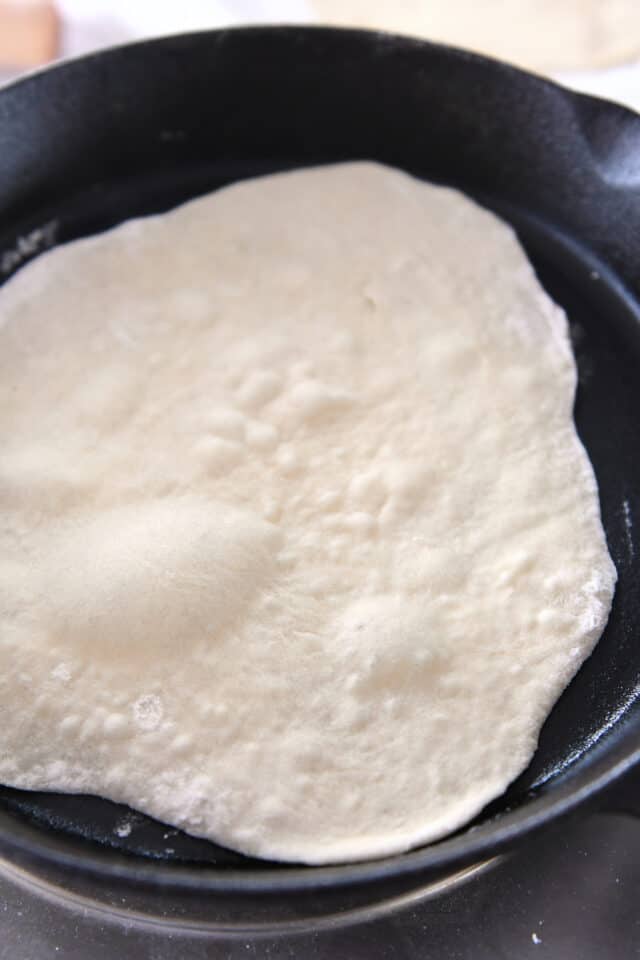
pixel 90 24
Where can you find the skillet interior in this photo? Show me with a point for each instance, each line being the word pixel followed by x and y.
pixel 559 167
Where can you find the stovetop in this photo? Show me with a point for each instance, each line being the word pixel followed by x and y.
pixel 571 893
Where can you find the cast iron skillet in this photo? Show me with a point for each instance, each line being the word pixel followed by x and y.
pixel 140 128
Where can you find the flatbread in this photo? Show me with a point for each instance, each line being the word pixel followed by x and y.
pixel 544 35
pixel 299 544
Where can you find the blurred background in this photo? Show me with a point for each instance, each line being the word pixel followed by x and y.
pixel 592 45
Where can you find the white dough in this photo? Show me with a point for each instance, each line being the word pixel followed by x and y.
pixel 298 543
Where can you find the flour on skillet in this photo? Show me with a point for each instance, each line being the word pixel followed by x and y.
pixel 298 543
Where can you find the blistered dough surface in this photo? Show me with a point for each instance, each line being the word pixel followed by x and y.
pixel 298 543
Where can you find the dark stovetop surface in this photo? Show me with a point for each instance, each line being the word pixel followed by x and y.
pixel 572 893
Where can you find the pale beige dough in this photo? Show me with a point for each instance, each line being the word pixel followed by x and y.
pixel 543 35
pixel 298 543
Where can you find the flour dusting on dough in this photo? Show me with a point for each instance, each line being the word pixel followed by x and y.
pixel 299 544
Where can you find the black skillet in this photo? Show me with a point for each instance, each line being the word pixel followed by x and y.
pixel 138 129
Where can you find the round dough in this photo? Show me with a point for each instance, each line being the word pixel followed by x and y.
pixel 298 545
pixel 537 34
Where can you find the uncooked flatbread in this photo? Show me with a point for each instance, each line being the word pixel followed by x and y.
pixel 537 34
pixel 299 544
